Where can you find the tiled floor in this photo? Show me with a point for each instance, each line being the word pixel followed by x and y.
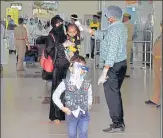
pixel 24 115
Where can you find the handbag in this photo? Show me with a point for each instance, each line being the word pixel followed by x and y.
pixel 48 63
pixel 48 76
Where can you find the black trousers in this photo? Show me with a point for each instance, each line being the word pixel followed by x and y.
pixel 92 47
pixel 112 88
pixel 59 74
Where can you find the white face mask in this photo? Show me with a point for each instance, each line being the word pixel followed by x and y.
pixel 82 76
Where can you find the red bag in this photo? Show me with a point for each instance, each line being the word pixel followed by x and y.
pixel 47 63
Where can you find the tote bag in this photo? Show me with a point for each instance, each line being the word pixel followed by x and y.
pixel 48 63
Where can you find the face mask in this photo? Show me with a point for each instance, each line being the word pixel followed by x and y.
pixel 8 19
pixel 25 22
pixel 12 22
pixel 59 29
pixel 109 23
pixel 32 22
pixel 82 76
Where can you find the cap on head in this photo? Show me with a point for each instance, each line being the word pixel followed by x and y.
pixel 114 11
pixel 127 15
pixel 96 16
pixel 74 16
pixel 99 12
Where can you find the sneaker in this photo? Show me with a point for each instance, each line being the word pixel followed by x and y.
pixel 115 128
pixel 150 102
pixel 10 51
pixel 87 56
pixel 127 76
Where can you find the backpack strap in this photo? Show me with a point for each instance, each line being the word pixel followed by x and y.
pixel 55 56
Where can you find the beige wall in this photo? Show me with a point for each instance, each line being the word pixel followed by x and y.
pixel 121 4
pixel 66 7
pixel 78 7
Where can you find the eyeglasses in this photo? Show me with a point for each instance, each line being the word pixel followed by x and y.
pixel 85 68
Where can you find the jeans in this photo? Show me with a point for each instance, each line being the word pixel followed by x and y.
pixel 81 124
pixel 112 88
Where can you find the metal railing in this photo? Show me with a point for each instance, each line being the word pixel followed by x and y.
pixel 147 34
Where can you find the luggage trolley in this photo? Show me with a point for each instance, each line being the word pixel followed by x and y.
pixel 40 43
pixel 31 56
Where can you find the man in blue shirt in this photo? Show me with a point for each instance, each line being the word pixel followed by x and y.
pixel 113 52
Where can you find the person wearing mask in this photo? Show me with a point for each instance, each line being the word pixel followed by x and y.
pixel 4 57
pixel 87 40
pixel 157 64
pixel 47 26
pixel 54 48
pixel 36 20
pixel 31 29
pixel 10 34
pixel 40 26
pixel 95 25
pixel 113 52
pixel 130 28
pixel 25 22
pixel 21 40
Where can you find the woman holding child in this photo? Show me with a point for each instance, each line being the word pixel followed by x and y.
pixel 56 46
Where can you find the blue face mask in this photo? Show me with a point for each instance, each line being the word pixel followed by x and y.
pixel 85 68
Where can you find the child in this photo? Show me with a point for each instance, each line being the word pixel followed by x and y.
pixel 73 35
pixel 78 98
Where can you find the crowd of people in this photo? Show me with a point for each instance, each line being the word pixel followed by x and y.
pixel 71 93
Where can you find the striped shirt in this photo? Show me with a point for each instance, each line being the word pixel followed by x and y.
pixel 113 47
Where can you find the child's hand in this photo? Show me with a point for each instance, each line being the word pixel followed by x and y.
pixel 67 44
pixel 66 110
pixel 73 44
pixel 71 54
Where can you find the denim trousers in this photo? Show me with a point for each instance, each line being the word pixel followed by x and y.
pixel 79 124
